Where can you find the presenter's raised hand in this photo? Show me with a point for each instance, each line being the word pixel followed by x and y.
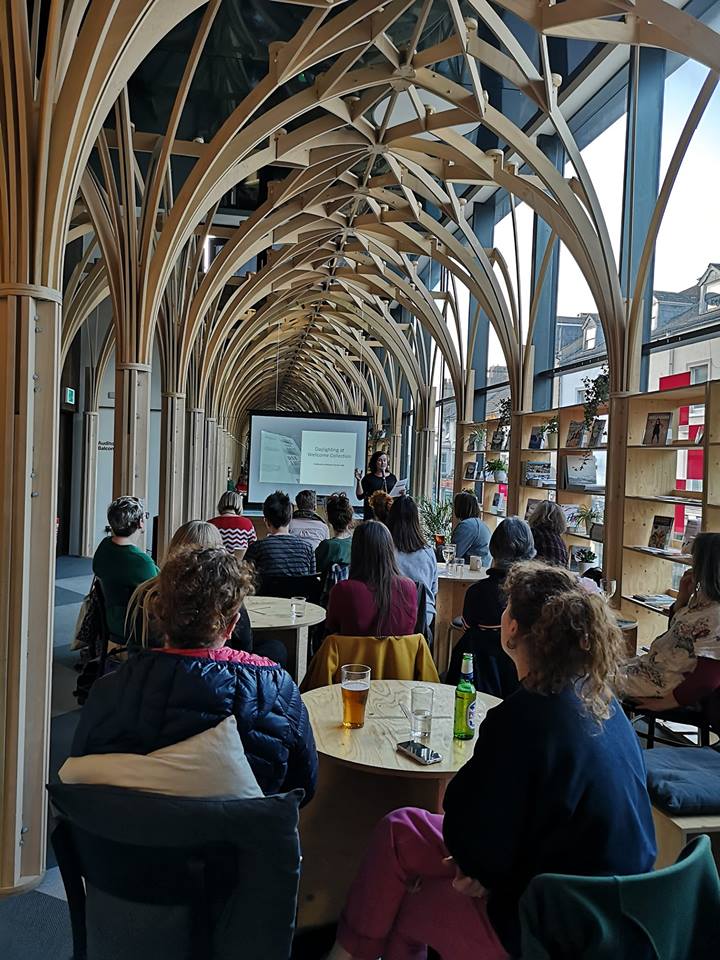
pixel 358 473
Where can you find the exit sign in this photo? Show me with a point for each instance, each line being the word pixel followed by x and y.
pixel 70 396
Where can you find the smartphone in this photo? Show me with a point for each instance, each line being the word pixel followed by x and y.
pixel 419 752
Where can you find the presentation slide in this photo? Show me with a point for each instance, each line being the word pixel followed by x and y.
pixel 293 452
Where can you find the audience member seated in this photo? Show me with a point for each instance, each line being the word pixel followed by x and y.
pixel 376 601
pixel 548 524
pixel 237 531
pixel 485 601
pixel 556 784
pixel 471 536
pixel 306 523
pixel 415 559
pixel 380 504
pixel 163 696
pixel 280 554
pixel 120 564
pixel 651 680
pixel 336 549
pixel 143 628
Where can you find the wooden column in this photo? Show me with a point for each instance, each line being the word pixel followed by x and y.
pixel 615 490
pixel 222 463
pixel 172 467
pixel 195 450
pixel 396 438
pixel 90 426
pixel 210 488
pixel 132 430
pixel 29 411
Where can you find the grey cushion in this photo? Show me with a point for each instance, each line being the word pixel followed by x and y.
pixel 684 781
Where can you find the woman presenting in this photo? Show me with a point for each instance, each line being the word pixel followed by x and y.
pixel 378 477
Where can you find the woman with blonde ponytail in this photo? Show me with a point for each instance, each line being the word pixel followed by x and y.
pixel 556 784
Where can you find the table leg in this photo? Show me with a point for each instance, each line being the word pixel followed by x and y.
pixel 335 828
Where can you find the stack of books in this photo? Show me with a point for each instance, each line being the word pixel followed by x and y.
pixel 537 473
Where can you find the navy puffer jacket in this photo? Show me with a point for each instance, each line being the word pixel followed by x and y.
pixel 157 699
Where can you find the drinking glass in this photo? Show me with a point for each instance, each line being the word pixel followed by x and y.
pixel 459 567
pixel 448 552
pixel 297 607
pixel 355 682
pixel 421 706
pixel 608 588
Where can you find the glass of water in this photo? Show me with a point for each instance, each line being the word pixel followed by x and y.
pixel 608 588
pixel 448 552
pixel 297 607
pixel 421 706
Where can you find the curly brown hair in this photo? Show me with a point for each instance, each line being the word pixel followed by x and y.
pixel 380 503
pixel 200 590
pixel 571 637
pixel 339 511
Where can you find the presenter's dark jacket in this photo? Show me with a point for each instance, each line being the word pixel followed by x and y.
pixel 371 484
pixel 547 790
pixel 160 697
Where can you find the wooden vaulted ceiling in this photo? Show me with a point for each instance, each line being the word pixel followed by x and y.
pixel 356 194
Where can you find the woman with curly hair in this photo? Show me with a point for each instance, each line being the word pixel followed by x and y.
pixel 556 784
pixel 195 680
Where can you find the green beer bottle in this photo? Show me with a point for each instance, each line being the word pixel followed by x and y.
pixel 464 723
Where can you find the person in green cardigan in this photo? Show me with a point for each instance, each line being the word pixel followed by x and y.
pixel 337 548
pixel 120 564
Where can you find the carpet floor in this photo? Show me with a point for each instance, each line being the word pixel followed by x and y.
pixel 34 927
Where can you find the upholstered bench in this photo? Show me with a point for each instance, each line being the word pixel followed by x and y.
pixel 684 786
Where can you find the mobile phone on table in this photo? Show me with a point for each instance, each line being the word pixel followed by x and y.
pixel 419 752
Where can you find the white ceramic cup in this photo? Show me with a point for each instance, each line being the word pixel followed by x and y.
pixel 475 563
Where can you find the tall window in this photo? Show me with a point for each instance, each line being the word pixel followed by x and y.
pixel 686 295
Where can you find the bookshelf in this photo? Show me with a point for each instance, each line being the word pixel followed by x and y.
pixel 483 486
pixel 658 481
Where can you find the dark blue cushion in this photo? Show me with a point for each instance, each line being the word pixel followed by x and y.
pixel 684 781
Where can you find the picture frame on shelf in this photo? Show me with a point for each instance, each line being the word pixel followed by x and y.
pixel 577 435
pixel 537 436
pixel 471 470
pixel 597 532
pixel 498 439
pixel 597 433
pixel 692 529
pixel 657 429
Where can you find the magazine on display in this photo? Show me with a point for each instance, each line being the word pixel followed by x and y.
pixel 571 517
pixel 597 433
pixel 580 471
pixel 577 435
pixel 660 533
pixel 498 439
pixel 472 469
pixel 657 429
pixel 536 438
pixel 498 504
pixel 692 529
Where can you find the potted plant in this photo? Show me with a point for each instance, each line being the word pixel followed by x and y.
pixel 588 516
pixel 549 429
pixel 503 408
pixel 597 394
pixel 436 521
pixel 476 441
pixel 585 558
pixel 498 468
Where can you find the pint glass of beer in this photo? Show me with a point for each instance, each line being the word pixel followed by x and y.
pixel 355 679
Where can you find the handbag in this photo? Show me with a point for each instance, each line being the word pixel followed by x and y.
pixel 88 626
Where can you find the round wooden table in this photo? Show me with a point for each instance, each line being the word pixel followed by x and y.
pixel 273 615
pixel 449 604
pixel 362 778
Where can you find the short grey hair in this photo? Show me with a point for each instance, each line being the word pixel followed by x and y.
pixel 549 514
pixel 512 540
pixel 124 515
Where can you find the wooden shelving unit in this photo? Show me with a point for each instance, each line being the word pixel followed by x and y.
pixel 652 475
pixel 484 488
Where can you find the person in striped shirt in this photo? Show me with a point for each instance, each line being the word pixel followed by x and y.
pixel 237 532
pixel 280 554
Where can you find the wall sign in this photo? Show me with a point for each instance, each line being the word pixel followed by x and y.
pixel 70 396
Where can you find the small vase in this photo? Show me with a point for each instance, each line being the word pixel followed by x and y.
pixel 584 567
pixel 588 526
pixel 500 476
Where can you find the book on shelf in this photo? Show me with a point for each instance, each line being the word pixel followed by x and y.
pixel 660 533
pixel 692 529
pixel 537 473
pixel 499 438
pixel 536 438
pixel 530 506
pixel 577 435
pixel 498 504
pixel 687 494
pixel 597 532
pixel 655 599
pixel 598 432
pixel 472 470
pixel 580 471
pixel 657 429
pixel 571 517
